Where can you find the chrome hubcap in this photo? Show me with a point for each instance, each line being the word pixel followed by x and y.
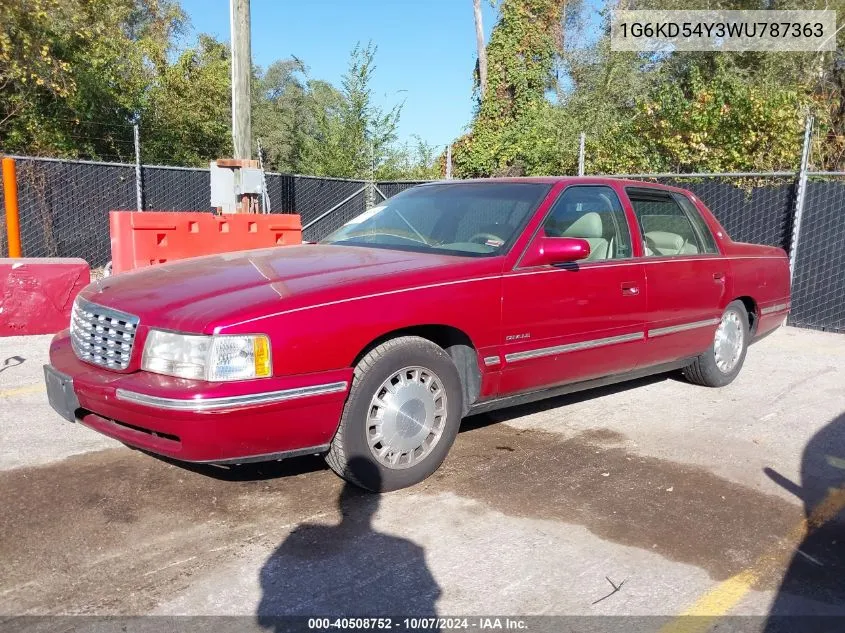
pixel 727 347
pixel 406 418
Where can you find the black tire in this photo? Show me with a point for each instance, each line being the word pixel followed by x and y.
pixel 704 370
pixel 350 456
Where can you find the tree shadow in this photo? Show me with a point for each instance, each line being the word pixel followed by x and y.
pixel 345 570
pixel 814 582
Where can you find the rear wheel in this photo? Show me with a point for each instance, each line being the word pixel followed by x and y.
pixel 401 417
pixel 723 360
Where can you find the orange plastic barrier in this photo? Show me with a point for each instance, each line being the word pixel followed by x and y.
pixel 140 239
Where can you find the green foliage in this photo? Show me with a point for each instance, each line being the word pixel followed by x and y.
pixel 722 124
pixel 186 115
pixel 284 105
pixel 352 136
pixel 412 161
pixel 647 113
pixel 520 58
pixel 76 74
pixel 511 133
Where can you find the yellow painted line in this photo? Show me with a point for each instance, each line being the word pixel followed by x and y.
pixel 20 391
pixel 719 600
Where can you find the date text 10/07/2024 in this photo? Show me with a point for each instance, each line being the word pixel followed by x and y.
pixel 418 624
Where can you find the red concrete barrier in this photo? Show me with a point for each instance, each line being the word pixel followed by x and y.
pixel 36 294
pixel 140 239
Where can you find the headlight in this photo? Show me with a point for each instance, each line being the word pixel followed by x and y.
pixel 213 358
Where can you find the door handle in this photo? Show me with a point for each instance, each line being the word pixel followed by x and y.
pixel 720 277
pixel 630 289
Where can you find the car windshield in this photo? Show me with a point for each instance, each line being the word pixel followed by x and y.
pixel 471 219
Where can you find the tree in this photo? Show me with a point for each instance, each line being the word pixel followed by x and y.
pixel 352 137
pixel 523 48
pixel 282 113
pixel 74 73
pixel 646 112
pixel 415 160
pixel 77 74
pixel 186 117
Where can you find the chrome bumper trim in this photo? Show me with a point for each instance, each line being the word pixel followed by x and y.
pixel 683 327
pixel 229 402
pixel 573 347
pixel 775 308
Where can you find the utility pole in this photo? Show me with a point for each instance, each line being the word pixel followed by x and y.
pixel 482 50
pixel 241 74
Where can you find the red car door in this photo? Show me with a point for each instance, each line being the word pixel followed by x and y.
pixel 687 276
pixel 578 321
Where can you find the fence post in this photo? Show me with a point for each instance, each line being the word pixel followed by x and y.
pixel 370 192
pixel 139 194
pixel 10 196
pixel 265 195
pixel 581 154
pixel 801 196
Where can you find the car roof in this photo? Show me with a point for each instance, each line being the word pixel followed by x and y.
pixel 552 180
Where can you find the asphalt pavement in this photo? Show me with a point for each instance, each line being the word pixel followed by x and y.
pixel 654 497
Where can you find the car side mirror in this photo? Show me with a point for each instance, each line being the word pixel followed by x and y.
pixel 556 250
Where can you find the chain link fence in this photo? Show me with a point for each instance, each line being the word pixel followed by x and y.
pixel 64 209
pixel 324 204
pixel 64 205
pixel 818 286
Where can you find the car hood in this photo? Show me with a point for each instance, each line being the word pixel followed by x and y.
pixel 203 293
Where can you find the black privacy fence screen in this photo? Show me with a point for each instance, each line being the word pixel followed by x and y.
pixel 64 209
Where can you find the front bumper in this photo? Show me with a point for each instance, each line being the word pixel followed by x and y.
pixel 199 421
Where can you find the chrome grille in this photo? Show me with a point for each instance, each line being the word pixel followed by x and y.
pixel 101 335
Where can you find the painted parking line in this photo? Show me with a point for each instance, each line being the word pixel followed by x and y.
pixel 21 391
pixel 719 600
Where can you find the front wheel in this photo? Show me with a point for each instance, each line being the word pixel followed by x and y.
pixel 720 364
pixel 401 417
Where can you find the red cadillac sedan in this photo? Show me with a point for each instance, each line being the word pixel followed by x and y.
pixel 449 299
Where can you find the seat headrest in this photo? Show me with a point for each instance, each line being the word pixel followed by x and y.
pixel 664 240
pixel 587 226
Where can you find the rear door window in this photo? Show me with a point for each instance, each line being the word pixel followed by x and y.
pixel 698 223
pixel 666 229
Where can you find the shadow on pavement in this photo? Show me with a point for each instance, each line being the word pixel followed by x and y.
pixel 257 471
pixel 501 415
pixel 12 361
pixel 348 569
pixel 814 582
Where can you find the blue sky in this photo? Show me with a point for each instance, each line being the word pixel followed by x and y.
pixel 426 50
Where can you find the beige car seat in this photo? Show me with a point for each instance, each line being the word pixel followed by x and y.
pixel 666 243
pixel 589 227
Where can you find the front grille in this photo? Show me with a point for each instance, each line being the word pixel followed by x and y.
pixel 101 335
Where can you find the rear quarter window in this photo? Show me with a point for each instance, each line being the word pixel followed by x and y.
pixel 704 233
